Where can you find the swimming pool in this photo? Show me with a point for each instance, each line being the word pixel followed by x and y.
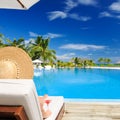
pixel 79 83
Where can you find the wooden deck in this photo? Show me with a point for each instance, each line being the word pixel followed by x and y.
pixel 92 111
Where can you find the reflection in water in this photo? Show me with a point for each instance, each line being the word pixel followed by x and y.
pixel 44 79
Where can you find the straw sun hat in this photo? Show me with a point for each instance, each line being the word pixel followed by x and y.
pixel 15 63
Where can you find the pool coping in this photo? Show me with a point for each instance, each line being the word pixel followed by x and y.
pixel 102 101
pixel 98 67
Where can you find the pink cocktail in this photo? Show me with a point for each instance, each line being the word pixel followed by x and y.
pixel 47 101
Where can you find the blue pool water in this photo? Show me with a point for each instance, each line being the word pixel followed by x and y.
pixel 79 83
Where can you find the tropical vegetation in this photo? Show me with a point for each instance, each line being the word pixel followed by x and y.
pixel 39 49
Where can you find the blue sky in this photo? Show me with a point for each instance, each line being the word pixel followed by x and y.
pixel 83 28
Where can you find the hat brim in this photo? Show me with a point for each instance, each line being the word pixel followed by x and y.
pixel 21 59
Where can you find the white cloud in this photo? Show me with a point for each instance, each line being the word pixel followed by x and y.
pixel 32 34
pixel 105 14
pixel 48 35
pixel 90 54
pixel 115 59
pixel 56 14
pixel 70 4
pixel 52 35
pixel 82 47
pixel 118 16
pixel 88 2
pixel 118 62
pixel 77 17
pixel 115 6
pixel 29 40
pixel 113 9
pixel 65 56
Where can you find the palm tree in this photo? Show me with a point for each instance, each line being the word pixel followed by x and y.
pixel 107 60
pixel 104 60
pixel 76 61
pixel 58 63
pixel 39 49
pixel 91 62
pixel 17 43
pixel 2 40
pixel 1 37
pixel 34 48
pixel 100 60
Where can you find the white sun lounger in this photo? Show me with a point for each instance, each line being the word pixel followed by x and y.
pixel 23 92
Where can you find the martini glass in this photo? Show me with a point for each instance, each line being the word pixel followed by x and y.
pixel 47 101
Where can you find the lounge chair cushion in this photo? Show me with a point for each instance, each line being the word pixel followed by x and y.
pixel 21 92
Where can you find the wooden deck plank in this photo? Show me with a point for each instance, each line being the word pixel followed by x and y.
pixel 91 111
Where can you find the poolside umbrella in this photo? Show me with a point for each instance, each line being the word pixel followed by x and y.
pixel 17 4
pixel 37 61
